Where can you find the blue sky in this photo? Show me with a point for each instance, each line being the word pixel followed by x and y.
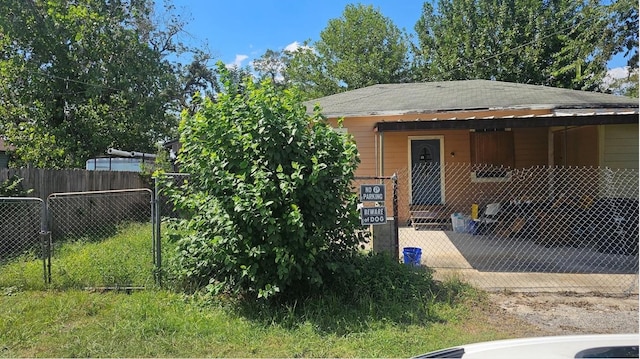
pixel 238 32
pixel 244 30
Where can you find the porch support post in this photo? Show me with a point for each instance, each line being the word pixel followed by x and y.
pixel 395 214
pixel 381 154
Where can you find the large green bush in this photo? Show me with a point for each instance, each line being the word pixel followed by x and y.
pixel 269 200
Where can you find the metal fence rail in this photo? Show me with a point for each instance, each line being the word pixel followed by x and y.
pixel 164 211
pixel 541 228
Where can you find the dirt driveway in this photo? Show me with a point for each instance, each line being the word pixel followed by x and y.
pixel 568 313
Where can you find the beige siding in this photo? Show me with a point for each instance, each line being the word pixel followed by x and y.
pixel 620 146
pixel 362 129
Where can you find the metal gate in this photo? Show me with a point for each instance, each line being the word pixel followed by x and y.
pixel 81 222
pixel 91 217
pixel 23 229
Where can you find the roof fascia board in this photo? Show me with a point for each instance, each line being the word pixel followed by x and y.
pixel 511 122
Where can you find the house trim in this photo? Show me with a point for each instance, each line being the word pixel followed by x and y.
pixel 549 120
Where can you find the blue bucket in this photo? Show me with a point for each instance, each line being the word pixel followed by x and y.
pixel 412 256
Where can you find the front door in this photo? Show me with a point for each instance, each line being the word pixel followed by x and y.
pixel 425 172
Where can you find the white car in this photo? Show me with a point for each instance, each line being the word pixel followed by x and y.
pixel 571 346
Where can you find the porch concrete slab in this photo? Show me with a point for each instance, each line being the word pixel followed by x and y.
pixel 439 253
pixel 437 249
pixel 543 282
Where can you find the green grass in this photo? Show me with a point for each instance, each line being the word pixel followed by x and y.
pixel 122 260
pixel 67 321
pixel 158 323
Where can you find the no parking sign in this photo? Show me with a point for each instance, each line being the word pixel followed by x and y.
pixel 372 193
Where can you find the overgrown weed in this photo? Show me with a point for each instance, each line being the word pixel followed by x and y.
pixel 380 292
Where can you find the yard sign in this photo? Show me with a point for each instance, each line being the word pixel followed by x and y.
pixel 372 193
pixel 373 215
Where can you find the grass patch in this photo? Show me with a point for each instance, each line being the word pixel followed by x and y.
pixel 124 259
pixel 157 323
pixel 368 321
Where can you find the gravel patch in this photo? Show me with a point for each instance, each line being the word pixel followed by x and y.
pixel 571 313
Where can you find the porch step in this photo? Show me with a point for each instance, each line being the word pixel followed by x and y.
pixel 430 219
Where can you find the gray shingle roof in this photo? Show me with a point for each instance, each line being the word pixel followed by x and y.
pixel 431 97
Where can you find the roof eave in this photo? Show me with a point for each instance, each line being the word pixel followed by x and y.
pixel 551 120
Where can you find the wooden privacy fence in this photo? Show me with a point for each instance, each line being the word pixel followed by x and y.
pixel 44 182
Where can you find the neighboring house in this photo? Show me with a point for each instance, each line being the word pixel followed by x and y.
pixel 4 153
pixel 398 126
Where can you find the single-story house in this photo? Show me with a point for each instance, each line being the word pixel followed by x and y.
pixel 506 125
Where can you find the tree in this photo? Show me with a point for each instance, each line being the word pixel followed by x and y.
pixel 272 66
pixel 269 201
pixel 624 24
pixel 359 49
pixel 555 43
pixel 80 77
pixel 307 71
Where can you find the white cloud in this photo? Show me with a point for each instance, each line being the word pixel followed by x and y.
pixel 295 46
pixel 238 61
pixel 615 74
pixel 292 47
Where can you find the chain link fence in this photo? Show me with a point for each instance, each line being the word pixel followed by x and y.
pixel 32 228
pixel 534 229
pixel 95 215
pixel 91 217
pixel 21 227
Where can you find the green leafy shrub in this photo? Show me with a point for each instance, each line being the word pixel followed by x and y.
pixel 269 199
pixel 12 187
pixel 386 287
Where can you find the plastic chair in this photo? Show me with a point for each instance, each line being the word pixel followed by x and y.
pixel 488 217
